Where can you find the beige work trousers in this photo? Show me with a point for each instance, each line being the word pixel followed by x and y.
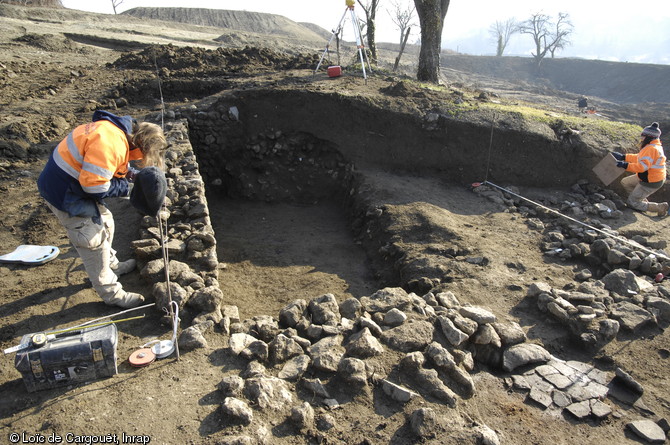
pixel 93 243
pixel 638 193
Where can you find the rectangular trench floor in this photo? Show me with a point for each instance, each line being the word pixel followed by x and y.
pixel 277 253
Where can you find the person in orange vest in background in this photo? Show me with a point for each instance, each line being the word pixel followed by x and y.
pixel 89 165
pixel 649 166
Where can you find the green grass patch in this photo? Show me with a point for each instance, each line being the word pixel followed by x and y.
pixel 612 129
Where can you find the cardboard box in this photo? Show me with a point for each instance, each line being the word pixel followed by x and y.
pixel 606 169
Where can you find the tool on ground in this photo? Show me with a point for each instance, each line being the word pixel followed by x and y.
pixel 39 339
pixel 334 71
pixel 141 358
pixel 359 39
pixel 160 91
pixel 115 315
pixel 173 309
pixel 53 360
pixel 165 348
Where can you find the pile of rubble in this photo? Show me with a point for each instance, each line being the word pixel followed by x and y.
pixel 431 343
pixel 596 310
pixel 572 229
pixel 269 166
pixel 347 343
pixel 619 289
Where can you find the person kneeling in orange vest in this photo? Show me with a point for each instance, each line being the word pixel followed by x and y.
pixel 649 166
pixel 86 167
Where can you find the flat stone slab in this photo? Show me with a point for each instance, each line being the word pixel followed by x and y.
pixel 524 354
pixel 580 410
pixel 648 430
pixel 478 314
pixel 561 399
pixel 558 380
pixel 540 397
pixel 409 337
pixel 572 386
pixel 631 316
pixel 520 383
pixel 600 409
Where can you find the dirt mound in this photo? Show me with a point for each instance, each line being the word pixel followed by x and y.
pixel 50 43
pixel 324 34
pixel 403 89
pixel 190 60
pixel 256 22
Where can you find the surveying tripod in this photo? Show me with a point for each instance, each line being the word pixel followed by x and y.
pixel 357 32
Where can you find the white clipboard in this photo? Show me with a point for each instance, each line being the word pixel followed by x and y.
pixel 30 254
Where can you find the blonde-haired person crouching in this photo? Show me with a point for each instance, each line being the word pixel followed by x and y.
pixel 86 167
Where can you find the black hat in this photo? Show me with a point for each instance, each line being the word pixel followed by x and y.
pixel 149 191
pixel 652 131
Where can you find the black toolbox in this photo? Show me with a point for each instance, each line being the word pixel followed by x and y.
pixel 67 358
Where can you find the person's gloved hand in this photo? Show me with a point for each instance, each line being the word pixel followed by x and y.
pixel 619 156
pixel 622 164
pixel 132 172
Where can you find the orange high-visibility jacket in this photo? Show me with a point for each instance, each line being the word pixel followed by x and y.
pixel 649 163
pixel 89 165
pixel 95 153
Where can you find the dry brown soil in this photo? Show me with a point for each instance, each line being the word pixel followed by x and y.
pixel 273 253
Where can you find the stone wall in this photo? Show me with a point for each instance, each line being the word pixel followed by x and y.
pixel 190 244
pixel 271 165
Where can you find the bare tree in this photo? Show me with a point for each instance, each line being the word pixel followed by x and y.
pixel 431 18
pixel 562 31
pixel 370 9
pixel 547 36
pixel 502 32
pixel 402 15
pixel 116 3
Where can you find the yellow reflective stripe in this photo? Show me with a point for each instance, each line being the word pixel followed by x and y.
pixel 67 168
pixel 97 170
pixel 646 161
pixel 73 149
pixel 102 188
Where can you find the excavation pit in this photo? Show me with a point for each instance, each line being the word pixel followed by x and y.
pixel 278 204
pixel 275 253
pixel 275 162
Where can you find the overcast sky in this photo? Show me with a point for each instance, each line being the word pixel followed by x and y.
pixel 603 29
